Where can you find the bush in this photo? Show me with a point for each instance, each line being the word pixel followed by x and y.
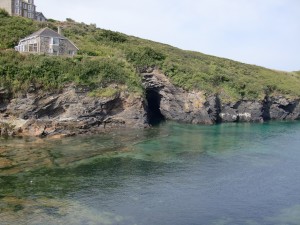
pixel 145 57
pixel 52 20
pixel 18 72
pixel 110 36
pixel 70 20
pixel 12 29
pixel 3 13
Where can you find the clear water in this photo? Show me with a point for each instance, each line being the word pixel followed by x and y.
pixel 173 174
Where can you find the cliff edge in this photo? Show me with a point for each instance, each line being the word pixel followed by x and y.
pixel 73 111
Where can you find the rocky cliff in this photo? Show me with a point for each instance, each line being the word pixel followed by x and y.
pixel 73 111
pixel 202 108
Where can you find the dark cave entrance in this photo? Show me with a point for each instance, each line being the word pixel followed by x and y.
pixel 154 115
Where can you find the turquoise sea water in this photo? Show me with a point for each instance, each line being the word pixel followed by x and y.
pixel 173 174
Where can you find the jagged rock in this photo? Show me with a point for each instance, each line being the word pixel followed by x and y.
pixel 213 108
pixel 249 111
pixel 282 108
pixel 175 103
pixel 295 115
pixel 228 114
pixel 72 111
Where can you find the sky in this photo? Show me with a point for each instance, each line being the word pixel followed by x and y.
pixel 260 32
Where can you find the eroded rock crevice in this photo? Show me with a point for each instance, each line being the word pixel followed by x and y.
pixel 153 107
pixel 198 108
pixel 173 102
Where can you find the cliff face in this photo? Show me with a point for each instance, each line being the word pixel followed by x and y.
pixel 69 112
pixel 72 111
pixel 175 103
pixel 194 107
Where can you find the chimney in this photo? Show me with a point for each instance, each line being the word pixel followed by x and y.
pixel 59 30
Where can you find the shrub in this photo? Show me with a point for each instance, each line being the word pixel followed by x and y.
pixel 52 20
pixel 110 36
pixel 70 20
pixel 12 29
pixel 3 13
pixel 145 57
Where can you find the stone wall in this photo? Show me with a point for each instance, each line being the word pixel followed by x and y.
pixel 44 44
pixel 65 46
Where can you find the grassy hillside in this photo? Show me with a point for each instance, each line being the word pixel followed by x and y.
pixel 110 57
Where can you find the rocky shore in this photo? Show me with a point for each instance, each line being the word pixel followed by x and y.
pixel 73 111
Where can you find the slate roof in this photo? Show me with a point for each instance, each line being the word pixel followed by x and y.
pixel 39 13
pixel 46 32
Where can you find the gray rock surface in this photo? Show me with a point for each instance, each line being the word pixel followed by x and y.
pixel 175 103
pixel 73 111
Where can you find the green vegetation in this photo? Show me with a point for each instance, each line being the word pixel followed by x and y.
pixel 108 57
pixel 104 92
pixel 3 13
pixel 19 72
pixel 12 29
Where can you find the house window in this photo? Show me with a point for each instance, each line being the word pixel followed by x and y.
pixel 55 41
pixel 24 6
pixel 55 52
pixel 71 52
pixel 32 47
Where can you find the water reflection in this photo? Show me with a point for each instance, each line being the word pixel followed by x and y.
pixel 53 211
pixel 23 155
pixel 175 173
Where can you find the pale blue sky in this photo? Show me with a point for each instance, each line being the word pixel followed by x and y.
pixel 261 32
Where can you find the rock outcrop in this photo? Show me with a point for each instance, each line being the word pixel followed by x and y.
pixel 195 107
pixel 70 112
pixel 73 111
pixel 271 108
pixel 175 103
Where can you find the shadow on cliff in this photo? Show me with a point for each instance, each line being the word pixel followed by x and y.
pixel 155 116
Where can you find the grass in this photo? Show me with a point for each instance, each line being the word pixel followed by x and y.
pixel 107 57
pixel 107 92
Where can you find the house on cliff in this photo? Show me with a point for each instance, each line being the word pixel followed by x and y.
pixel 47 41
pixel 39 16
pixel 23 8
